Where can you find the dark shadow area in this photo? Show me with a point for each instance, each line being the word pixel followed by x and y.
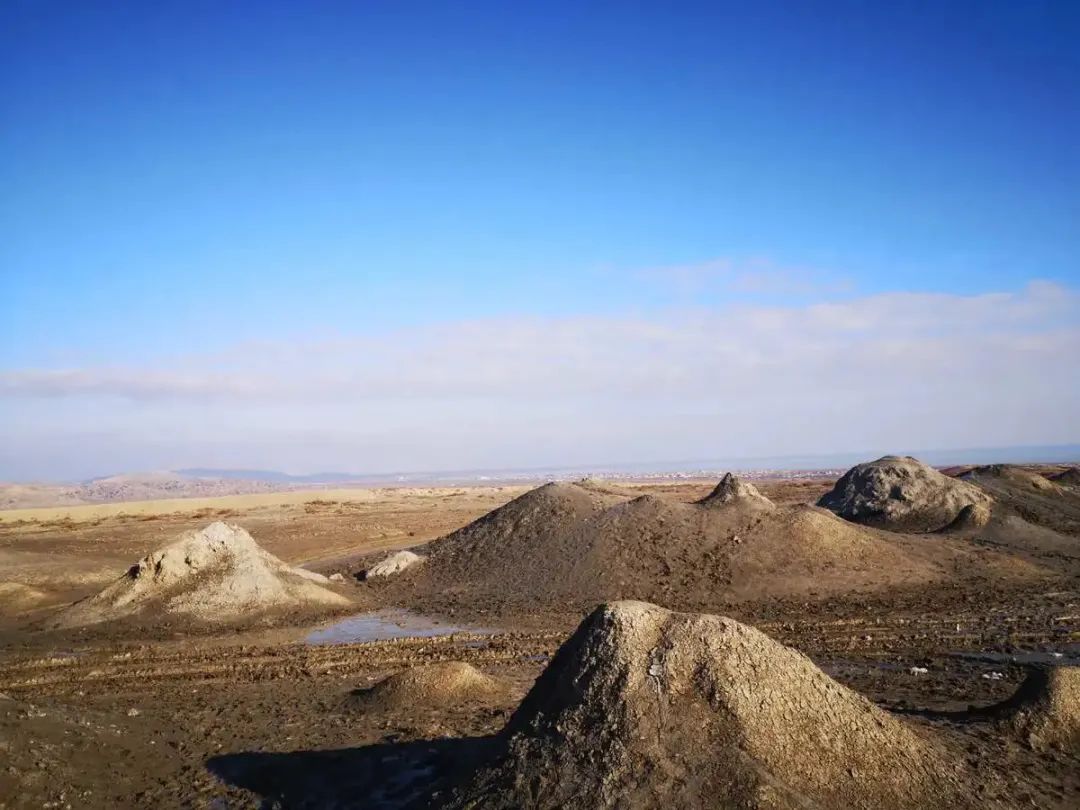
pixel 1031 691
pixel 384 775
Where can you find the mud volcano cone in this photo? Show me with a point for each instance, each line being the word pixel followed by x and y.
pixel 644 707
pixel 215 574
pixel 902 494
pixel 732 489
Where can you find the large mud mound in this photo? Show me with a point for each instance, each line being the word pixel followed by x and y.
pixel 647 708
pixel 215 574
pixel 443 684
pixel 563 545
pixel 901 493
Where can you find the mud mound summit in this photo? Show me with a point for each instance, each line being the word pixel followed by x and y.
pixel 902 494
pixel 215 574
pixel 643 707
pixel 567 545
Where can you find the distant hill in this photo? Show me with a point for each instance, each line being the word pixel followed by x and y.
pixel 273 476
pixel 134 487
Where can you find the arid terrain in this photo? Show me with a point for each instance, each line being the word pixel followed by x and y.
pixel 930 602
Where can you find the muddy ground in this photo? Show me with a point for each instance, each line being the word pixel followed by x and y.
pixel 254 717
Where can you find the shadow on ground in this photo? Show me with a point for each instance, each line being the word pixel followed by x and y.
pixel 385 775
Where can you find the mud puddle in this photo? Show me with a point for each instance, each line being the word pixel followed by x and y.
pixel 383 625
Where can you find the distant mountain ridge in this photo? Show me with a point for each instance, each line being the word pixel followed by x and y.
pixel 196 482
pixel 274 476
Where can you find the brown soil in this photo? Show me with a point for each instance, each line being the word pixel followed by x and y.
pixel 126 717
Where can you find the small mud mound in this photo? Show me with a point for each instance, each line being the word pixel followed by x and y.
pixel 645 708
pixel 971 517
pixel 393 564
pixel 732 489
pixel 444 684
pixel 216 574
pixel 1045 711
pixel 900 493
pixel 566 546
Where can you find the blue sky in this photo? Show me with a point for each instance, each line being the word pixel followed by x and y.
pixel 210 210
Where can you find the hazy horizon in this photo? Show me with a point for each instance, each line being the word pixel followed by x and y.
pixel 429 237
pixel 940 457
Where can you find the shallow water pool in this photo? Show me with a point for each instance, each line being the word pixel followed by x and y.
pixel 390 623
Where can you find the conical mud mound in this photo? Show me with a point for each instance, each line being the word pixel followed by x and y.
pixel 732 489
pixel 215 574
pixel 901 493
pixel 646 708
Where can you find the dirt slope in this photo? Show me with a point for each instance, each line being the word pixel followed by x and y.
pixel 1030 496
pixel 902 494
pixel 1067 478
pixel 647 708
pixel 216 574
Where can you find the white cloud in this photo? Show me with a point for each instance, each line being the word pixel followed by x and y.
pixel 892 370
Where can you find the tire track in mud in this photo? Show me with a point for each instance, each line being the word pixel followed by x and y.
pixel 145 667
